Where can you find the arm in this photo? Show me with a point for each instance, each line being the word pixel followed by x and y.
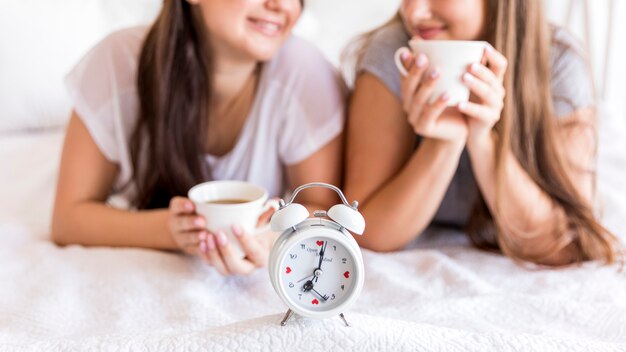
pixel 80 213
pixel 399 188
pixel 325 166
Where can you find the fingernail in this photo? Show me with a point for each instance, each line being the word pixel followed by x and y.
pixel 421 61
pixel 188 206
pixel 468 77
pixel 462 105
pixel 489 48
pixel 434 74
pixel 237 230
pixel 404 56
pixel 474 67
pixel 199 222
pixel 203 247
pixel 202 236
pixel 445 96
pixel 210 243
pixel 221 239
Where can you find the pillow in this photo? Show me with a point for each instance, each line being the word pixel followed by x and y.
pixel 41 40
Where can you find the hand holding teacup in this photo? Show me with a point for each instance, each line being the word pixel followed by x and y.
pixel 225 217
pixel 433 85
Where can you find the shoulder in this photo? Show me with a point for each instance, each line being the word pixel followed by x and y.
pixel 378 55
pixel 307 95
pixel 298 61
pixel 390 37
pixel 107 71
pixel 297 48
pixel 301 71
pixel 102 89
pixel 117 54
pixel 113 60
pixel 563 41
pixel 572 80
pixel 381 46
pixel 565 50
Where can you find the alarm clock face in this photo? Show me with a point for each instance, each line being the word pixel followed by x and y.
pixel 319 274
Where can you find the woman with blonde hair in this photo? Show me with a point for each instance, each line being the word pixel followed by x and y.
pixel 514 166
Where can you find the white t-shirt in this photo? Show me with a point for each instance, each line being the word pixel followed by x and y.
pixel 298 108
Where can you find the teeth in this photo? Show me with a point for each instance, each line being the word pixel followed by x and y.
pixel 268 26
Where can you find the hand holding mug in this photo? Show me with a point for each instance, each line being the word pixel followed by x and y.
pixel 485 80
pixel 218 252
pixel 424 101
pixel 236 217
pixel 185 226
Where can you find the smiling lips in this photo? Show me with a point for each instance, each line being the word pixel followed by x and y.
pixel 266 27
pixel 430 32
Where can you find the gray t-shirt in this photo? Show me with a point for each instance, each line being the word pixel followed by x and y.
pixel 572 88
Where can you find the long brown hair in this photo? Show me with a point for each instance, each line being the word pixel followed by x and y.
pixel 527 129
pixel 519 30
pixel 174 83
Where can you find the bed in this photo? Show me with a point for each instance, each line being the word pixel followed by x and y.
pixel 438 294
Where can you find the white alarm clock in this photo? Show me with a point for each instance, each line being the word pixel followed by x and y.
pixel 315 265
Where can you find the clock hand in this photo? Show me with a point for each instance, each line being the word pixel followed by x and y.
pixel 319 265
pixel 323 297
pixel 322 251
pixel 308 286
pixel 304 278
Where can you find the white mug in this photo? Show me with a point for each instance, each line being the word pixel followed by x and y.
pixel 226 203
pixel 452 58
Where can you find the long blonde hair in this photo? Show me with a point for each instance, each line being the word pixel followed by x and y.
pixel 527 129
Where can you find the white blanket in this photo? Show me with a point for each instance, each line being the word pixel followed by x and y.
pixel 440 295
pixel 452 299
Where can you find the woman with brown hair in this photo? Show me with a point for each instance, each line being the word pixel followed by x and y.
pixel 213 90
pixel 514 166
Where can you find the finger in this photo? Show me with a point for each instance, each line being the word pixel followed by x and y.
pixel 254 250
pixel 265 217
pixel 234 264
pixel 423 96
pixel 181 205
pixel 411 82
pixel 429 117
pixel 483 91
pixel 497 62
pixel 493 97
pixel 213 257
pixel 485 74
pixel 406 58
pixel 483 59
pixel 183 223
pixel 190 239
pixel 477 111
pixel 200 248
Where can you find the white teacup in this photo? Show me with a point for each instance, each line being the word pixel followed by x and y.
pixel 452 58
pixel 226 203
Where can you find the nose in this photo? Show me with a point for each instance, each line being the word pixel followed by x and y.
pixel 277 5
pixel 418 9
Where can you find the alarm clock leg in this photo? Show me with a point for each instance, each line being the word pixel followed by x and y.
pixel 344 319
pixel 287 317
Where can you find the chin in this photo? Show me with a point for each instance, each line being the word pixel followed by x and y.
pixel 264 52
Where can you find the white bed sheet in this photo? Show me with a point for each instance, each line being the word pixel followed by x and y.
pixel 439 295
